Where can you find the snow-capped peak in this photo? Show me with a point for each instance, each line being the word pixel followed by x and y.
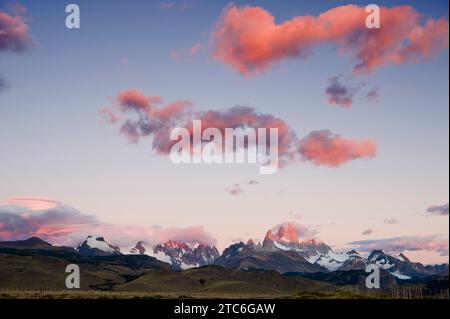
pixel 97 241
pixel 286 237
pixel 138 249
pixel 352 253
pixel 97 245
pixel 179 254
pixel 285 232
pixel 382 254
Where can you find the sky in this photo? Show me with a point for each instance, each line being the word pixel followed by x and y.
pixel 365 116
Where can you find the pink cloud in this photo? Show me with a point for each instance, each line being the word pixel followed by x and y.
pixel 194 234
pixel 147 106
pixel 326 148
pixel 241 116
pixel 21 222
pixel 155 120
pixel 124 61
pixel 195 48
pixel 63 225
pixel 248 39
pixel 373 95
pixel 33 203
pixel 390 221
pixel 342 93
pixel 176 4
pixel 14 35
pixel 133 99
pixel 292 230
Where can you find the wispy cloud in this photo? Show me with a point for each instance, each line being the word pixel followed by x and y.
pixel 33 202
pixel 441 210
pixel 373 95
pixel 390 221
pixel 301 230
pixel 294 215
pixel 14 36
pixel 326 148
pixel 185 54
pixel 52 223
pixel 339 93
pixel 235 190
pixel 400 244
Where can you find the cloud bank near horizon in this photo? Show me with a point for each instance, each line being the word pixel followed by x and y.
pixel 66 226
pixel 63 225
pixel 400 244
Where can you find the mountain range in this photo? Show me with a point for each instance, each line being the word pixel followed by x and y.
pixel 245 270
pixel 179 255
pixel 282 250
